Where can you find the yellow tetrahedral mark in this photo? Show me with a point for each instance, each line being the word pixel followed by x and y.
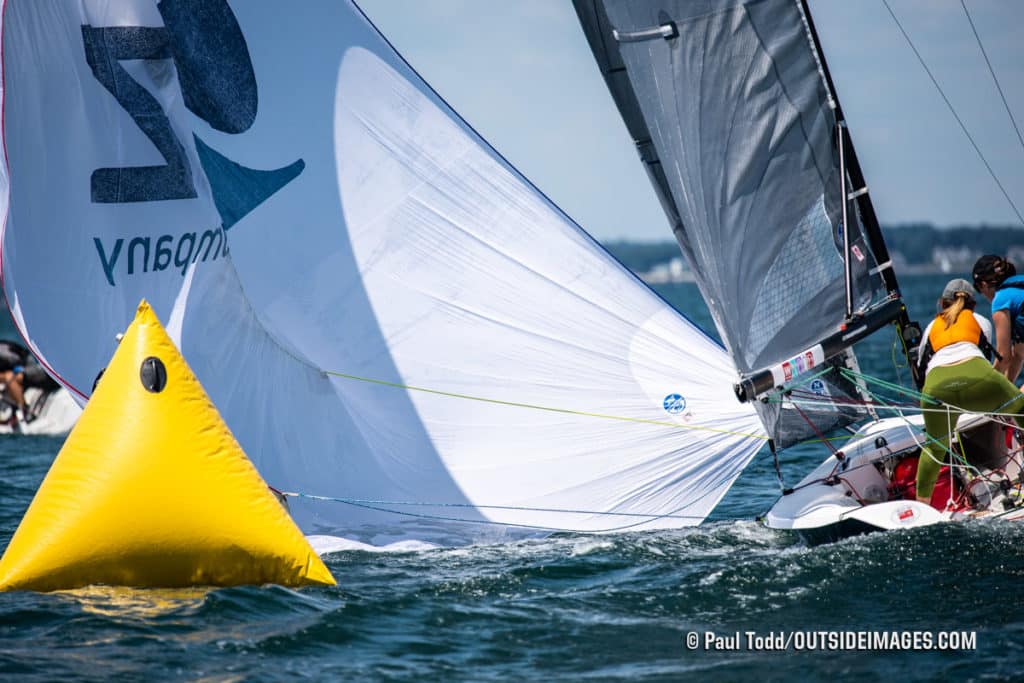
pixel 151 489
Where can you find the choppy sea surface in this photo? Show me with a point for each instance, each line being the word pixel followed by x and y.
pixel 567 607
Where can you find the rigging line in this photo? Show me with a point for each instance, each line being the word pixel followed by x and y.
pixel 993 72
pixel 879 404
pixel 519 508
pixel 442 518
pixel 941 405
pixel 948 448
pixel 953 111
pixel 817 431
pixel 929 439
pixel 889 385
pixel 899 340
pixel 952 454
pixel 565 411
pixel 846 437
pixel 815 399
pixel 840 401
pixel 861 403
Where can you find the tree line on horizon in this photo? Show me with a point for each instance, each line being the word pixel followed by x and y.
pixel 916 243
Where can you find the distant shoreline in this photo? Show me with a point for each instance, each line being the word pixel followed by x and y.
pixel 658 278
pixel 920 249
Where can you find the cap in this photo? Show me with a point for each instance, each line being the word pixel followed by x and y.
pixel 992 269
pixel 957 285
pixel 985 267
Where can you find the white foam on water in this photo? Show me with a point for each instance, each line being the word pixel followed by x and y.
pixel 325 545
pixel 586 546
pixel 711 578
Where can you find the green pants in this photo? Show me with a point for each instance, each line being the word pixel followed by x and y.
pixel 973 385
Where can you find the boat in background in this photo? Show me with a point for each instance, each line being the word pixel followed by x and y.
pixel 49 413
pixel 49 409
pixel 739 126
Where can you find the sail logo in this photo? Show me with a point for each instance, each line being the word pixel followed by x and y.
pixel 203 41
pixel 674 404
pixel 181 251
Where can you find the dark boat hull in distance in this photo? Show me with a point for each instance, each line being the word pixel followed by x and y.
pixel 868 486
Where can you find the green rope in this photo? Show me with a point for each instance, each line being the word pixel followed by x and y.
pixel 928 437
pixel 997 412
pixel 844 437
pixel 897 366
pixel 851 374
pixel 531 406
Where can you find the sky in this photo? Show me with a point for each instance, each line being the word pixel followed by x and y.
pixel 521 73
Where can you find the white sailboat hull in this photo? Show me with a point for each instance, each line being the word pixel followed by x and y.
pixel 855 492
pixel 56 414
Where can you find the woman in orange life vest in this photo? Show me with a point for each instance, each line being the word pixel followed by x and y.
pixel 958 375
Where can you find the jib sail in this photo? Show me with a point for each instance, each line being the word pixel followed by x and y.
pixel 738 126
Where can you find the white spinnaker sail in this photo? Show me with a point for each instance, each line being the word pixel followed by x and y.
pixel 402 321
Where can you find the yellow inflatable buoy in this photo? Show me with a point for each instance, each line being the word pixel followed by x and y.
pixel 151 489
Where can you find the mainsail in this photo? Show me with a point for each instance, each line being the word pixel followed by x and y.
pixel 738 125
pixel 394 323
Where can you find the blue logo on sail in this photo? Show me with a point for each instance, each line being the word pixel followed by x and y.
pixel 204 42
pixel 674 404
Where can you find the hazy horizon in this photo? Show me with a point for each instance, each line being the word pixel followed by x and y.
pixel 523 76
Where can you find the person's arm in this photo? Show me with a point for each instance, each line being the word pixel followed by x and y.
pixel 1011 361
pixel 14 389
pixel 986 332
pixel 924 341
pixel 1017 364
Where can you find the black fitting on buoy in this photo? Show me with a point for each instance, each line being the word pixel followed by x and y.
pixel 153 375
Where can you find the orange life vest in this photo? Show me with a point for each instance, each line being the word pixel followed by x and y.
pixel 965 329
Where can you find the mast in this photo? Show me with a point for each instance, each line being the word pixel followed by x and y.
pixel 858 325
pixel 846 233
pixel 909 331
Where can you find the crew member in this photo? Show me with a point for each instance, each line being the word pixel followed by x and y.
pixel 996 279
pixel 958 375
pixel 19 370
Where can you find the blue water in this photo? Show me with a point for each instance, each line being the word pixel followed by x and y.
pixel 569 607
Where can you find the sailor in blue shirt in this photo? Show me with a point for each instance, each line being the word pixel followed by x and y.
pixel 996 279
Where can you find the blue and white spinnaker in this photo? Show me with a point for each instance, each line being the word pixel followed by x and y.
pixel 386 313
